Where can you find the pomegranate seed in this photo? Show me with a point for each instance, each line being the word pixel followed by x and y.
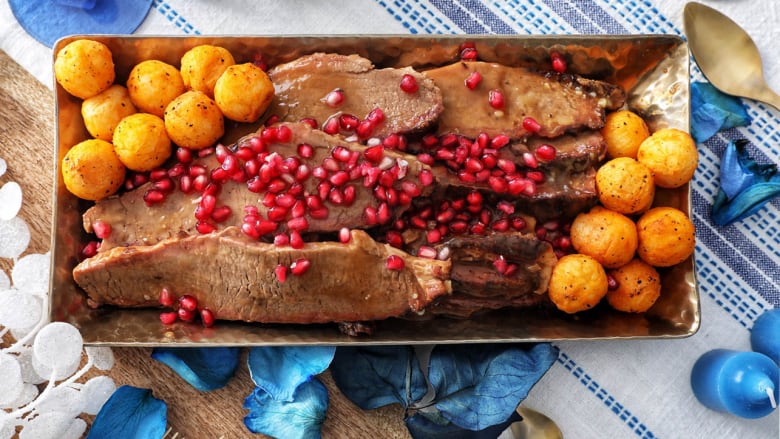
pixel 305 150
pixel 298 209
pixel 558 63
pixel 185 184
pixel 409 83
pixel 310 122
pixel 177 170
pixel 541 233
pixel 298 224
pixel 207 317
pixel 348 122
pixel 496 99
pixel 265 227
pixel 283 134
pixel 531 125
pixel 468 54
pixel 530 160
pixel 281 240
pixel 340 178
pixel 383 214
pixel 344 235
pixel 500 264
pixel 473 80
pixel 300 266
pixel 369 215
pixel 153 196
pixel 376 116
pixel 506 207
pixel 183 155
pixel 425 177
pixel 501 225
pixel 364 129
pixel 418 222
pixel 205 152
pixel 276 185
pixel 249 230
pixel 498 184
pixel 433 236
pixel 510 270
pixel 188 302
pixel 185 315
pixel 331 126
pixel 499 141
pixel 281 273
pixel 427 252
pixel 166 297
pixel 535 176
pixel 168 318
pixel 334 98
pixel 425 158
pixel 458 227
pixel 612 283
pixel 221 213
pixel 102 229
pixel 90 249
pixel 296 241
pixel 321 213
pixel 350 194
pixel 562 242
pixel 158 174
pixel 395 262
pixel 374 154
pixel 546 152
pixel 518 223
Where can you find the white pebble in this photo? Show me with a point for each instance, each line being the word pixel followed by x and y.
pixel 96 392
pixel 11 383
pixel 19 310
pixel 14 237
pixel 31 273
pixel 58 345
pixel 62 399
pixel 7 425
pixel 102 357
pixel 49 425
pixel 10 200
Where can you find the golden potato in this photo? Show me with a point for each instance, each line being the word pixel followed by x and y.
pixel 91 170
pixel 666 236
pixel 153 85
pixel 84 68
pixel 671 156
pixel 194 121
pixel 607 236
pixel 625 185
pixel 639 286
pixel 141 142
pixel 202 65
pixel 624 131
pixel 577 283
pixel 102 112
pixel 243 92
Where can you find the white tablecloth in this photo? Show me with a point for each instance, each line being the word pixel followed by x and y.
pixel 606 389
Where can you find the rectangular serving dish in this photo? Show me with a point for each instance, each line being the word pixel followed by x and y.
pixel 654 69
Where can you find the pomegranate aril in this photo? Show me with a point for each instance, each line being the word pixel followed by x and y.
pixel 334 98
pixel 374 154
pixel 530 160
pixel 188 302
pixel 350 194
pixel 498 184
pixel 383 214
pixel 183 155
pixel 277 213
pixel 221 213
pixel 612 283
pixel 558 63
pixel 305 150
pixel 506 207
pixel 369 215
pixel 300 266
pixel 496 99
pixel 500 264
pixel 283 134
pixel 167 297
pixel 153 196
pixel 344 235
pixel 427 252
pixel 296 241
pixel 510 270
pixel 348 122
pixel 310 122
pixel 409 84
pixel 376 116
pixel 364 129
pixel 298 209
pixel 177 170
pixel 168 318
pixel 185 315
pixel 90 249
pixel 158 174
pixel 207 317
pixel 535 176
pixel 281 273
pixel 531 125
pixel 501 225
pixel 433 236
pixel 468 54
pixel 340 178
pixel 546 152
pixel 473 80
pixel 518 223
pixel 395 263
pixel 321 213
pixel 458 227
pixel 102 229
pixel 331 126
pixel 298 224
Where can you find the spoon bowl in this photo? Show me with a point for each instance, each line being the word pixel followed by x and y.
pixel 534 425
pixel 726 54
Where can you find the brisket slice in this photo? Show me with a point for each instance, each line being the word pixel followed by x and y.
pixel 234 277
pixel 574 152
pixel 477 284
pixel 301 85
pixel 560 103
pixel 133 222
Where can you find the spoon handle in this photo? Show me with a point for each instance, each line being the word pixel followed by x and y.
pixel 770 97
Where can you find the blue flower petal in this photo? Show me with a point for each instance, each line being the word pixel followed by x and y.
pixel 130 412
pixel 280 370
pixel 373 377
pixel 300 418
pixel 421 426
pixel 481 385
pixel 712 111
pixel 204 368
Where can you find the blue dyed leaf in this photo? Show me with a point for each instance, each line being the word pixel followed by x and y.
pixel 280 370
pixel 204 368
pixel 373 377
pixel 421 426
pixel 745 186
pixel 481 385
pixel 712 111
pixel 300 418
pixel 130 413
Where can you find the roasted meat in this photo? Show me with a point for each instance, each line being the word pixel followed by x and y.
pixel 235 278
pixel 303 87
pixel 559 103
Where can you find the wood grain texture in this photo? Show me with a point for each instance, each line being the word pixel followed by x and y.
pixel 27 144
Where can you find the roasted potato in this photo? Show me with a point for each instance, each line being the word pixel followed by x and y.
pixel 91 170
pixel 638 287
pixel 625 185
pixel 84 68
pixel 577 283
pixel 671 156
pixel 102 112
pixel 607 236
pixel 666 236
pixel 194 121
pixel 243 92
pixel 153 84
pixel 624 131
pixel 141 142
pixel 202 65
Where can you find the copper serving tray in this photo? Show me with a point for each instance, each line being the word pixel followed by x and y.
pixel 654 69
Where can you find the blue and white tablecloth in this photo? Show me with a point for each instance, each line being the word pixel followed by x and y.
pixel 605 389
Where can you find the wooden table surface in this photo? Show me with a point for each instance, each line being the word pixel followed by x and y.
pixel 27 145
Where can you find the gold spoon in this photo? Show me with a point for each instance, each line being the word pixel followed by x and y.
pixel 726 54
pixel 533 426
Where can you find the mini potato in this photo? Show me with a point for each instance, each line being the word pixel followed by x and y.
pixel 639 286
pixel 624 131
pixel 153 85
pixel 84 68
pixel 243 92
pixel 202 65
pixel 671 156
pixel 666 236
pixel 91 170
pixel 607 236
pixel 102 112
pixel 577 283
pixel 141 142
pixel 625 185
pixel 194 121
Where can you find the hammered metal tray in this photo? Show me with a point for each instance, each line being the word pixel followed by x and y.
pixel 654 69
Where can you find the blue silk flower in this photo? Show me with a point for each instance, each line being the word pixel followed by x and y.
pixel 466 391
